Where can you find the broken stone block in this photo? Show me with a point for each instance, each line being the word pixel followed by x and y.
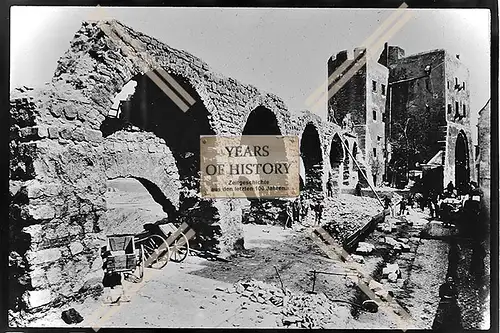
pixel 391 268
pixel 291 319
pixel 42 256
pixel 36 298
pixel 75 248
pixel 393 277
pixel 403 240
pixel 364 248
pixel 390 241
pixel 405 247
pixel 357 258
pixel 71 316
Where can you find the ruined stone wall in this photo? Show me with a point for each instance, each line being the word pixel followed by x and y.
pixel 351 97
pixel 60 159
pixel 57 187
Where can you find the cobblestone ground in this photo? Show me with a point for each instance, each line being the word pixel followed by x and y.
pixel 473 287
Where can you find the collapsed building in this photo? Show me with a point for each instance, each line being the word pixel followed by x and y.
pixel 70 137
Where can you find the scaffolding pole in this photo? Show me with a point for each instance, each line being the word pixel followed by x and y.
pixel 364 175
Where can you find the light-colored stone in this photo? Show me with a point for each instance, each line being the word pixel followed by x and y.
pixel 390 241
pixel 37 277
pixel 391 268
pixel 36 298
pixel 54 275
pixel 392 277
pixel 75 248
pixel 357 258
pixel 43 256
pixel 41 212
pixel 364 248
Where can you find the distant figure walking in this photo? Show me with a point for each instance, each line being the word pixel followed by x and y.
pixel 387 202
pixel 402 206
pixel 319 212
pixel 329 188
pixel 357 191
pixel 296 210
pixel 449 189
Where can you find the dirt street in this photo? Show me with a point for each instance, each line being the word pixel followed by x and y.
pixel 246 291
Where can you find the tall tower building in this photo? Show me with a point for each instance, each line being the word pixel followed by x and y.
pixel 357 90
pixel 428 118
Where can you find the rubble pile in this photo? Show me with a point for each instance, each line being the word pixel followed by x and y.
pixel 265 212
pixel 259 292
pixel 298 309
pixel 345 214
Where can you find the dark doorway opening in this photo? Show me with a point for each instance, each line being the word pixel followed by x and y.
pixel 462 172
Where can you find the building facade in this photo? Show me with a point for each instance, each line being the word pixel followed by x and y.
pixel 483 160
pixel 429 114
pixel 357 99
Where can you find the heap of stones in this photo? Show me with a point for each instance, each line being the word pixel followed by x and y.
pixel 297 309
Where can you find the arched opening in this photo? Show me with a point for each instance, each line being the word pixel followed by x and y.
pixel 346 163
pixel 168 106
pixel 310 151
pixel 336 157
pixel 261 121
pixel 462 172
pixel 133 202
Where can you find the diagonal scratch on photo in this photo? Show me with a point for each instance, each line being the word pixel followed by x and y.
pixel 249 168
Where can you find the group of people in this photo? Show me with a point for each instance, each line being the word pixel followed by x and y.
pixel 435 201
pixel 298 209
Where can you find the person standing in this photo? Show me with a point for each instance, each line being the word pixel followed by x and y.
pixel 329 188
pixel 402 206
pixel 358 190
pixel 289 215
pixel 319 212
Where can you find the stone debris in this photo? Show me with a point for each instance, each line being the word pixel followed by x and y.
pixel 364 248
pixel 391 269
pixel 71 316
pixel 357 258
pixel 297 309
pixel 400 246
pixel 346 207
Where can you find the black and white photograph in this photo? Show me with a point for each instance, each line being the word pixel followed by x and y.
pixel 259 167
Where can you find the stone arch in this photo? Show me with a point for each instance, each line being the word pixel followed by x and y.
pixel 178 120
pixel 336 158
pixel 261 121
pixel 311 153
pixel 462 164
pixel 138 201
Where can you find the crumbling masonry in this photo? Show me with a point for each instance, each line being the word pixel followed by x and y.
pixel 64 146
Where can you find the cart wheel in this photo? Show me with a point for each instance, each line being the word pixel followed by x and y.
pixel 141 263
pixel 179 249
pixel 156 252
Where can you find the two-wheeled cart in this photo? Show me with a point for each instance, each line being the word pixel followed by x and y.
pixel 162 243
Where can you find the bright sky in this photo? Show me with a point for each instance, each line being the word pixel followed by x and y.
pixel 283 51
